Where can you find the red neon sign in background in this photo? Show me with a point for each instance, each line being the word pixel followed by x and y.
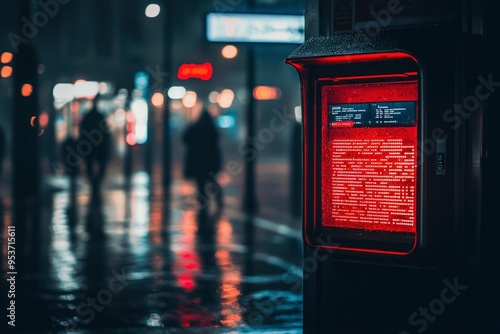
pixel 372 183
pixel 195 71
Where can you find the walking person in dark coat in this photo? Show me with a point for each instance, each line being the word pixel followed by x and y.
pixel 95 137
pixel 203 160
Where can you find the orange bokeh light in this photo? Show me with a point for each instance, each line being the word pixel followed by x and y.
pixel 266 93
pixel 157 100
pixel 6 72
pixel 229 51
pixel 6 57
pixel 26 90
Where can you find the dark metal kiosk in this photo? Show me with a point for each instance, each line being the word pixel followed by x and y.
pixel 397 234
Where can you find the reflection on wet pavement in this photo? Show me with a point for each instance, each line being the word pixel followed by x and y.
pixel 137 261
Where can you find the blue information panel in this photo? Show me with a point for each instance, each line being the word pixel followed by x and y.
pixel 372 114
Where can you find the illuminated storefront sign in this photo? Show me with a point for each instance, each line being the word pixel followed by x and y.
pixel 195 71
pixel 255 28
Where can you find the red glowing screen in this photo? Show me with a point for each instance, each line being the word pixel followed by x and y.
pixel 369 155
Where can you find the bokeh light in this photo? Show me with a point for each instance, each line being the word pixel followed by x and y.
pixel 212 97
pixel 157 100
pixel 176 92
pixel 189 100
pixel 6 57
pixel 26 90
pixel 229 51
pixel 6 72
pixel 152 10
pixel 266 93
pixel 225 99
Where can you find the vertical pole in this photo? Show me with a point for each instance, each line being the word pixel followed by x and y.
pixel 490 227
pixel 26 166
pixel 316 24
pixel 148 156
pixel 296 170
pixel 249 197
pixel 168 6
pixel 25 153
pixel 250 201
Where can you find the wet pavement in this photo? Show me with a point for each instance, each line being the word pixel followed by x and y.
pixel 136 261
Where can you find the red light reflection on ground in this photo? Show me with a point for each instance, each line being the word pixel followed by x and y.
pixel 230 277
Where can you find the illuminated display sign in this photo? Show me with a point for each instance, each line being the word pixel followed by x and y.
pixel 369 156
pixel 195 71
pixel 372 114
pixel 362 127
pixel 255 28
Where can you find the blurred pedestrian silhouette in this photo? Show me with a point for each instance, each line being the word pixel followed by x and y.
pixel 203 161
pixel 94 146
